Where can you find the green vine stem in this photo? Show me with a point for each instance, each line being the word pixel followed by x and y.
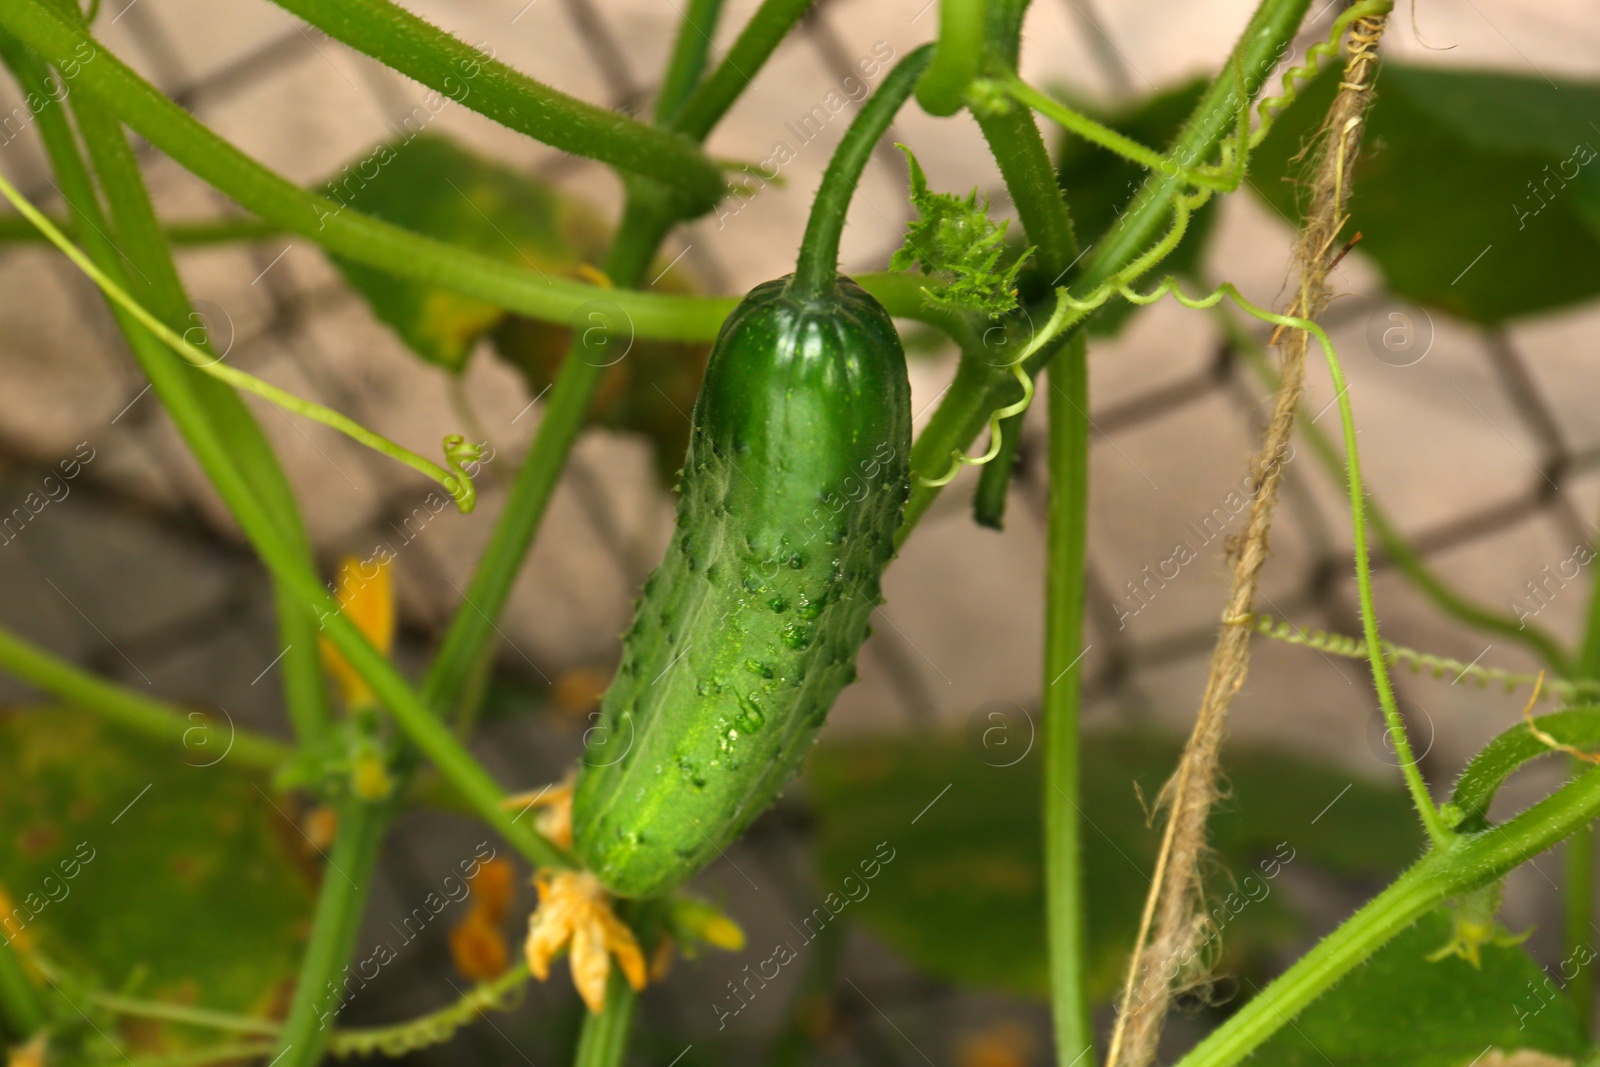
pixel 473 626
pixel 957 56
pixel 130 711
pixel 1066 563
pixel 334 927
pixel 133 218
pixel 1396 548
pixel 688 62
pixel 409 44
pixel 1030 176
pixel 456 450
pixel 286 565
pixel 755 44
pixel 1583 851
pixel 968 404
pixel 1427 811
pixel 1468 862
pixel 364 239
pixel 1107 138
pixel 393 1040
pixel 604 1038
pixel 817 271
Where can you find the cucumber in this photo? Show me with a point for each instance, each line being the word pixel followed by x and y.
pixel 797 473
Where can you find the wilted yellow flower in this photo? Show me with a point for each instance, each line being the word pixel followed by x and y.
pixel 1002 1045
pixel 366 595
pixel 476 943
pixel 574 907
pixel 554 821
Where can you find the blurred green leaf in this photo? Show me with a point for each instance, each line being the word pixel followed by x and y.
pixel 434 187
pixel 431 186
pixel 135 866
pixel 1477 192
pixel 1100 185
pixel 964 897
pixel 1399 1009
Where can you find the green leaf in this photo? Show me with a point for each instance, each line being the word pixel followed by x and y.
pixel 1476 788
pixel 964 897
pixel 1477 192
pixel 1100 185
pixel 1399 1010
pixel 433 187
pixel 139 868
pixel 954 239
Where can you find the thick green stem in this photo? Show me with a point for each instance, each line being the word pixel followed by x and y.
pixel 321 990
pixel 131 711
pixel 134 222
pixel 957 56
pixel 1265 40
pixel 1063 687
pixel 817 271
pixel 1030 178
pixel 713 97
pixel 1583 855
pixel 1467 863
pixel 363 239
pixel 416 48
pixel 640 232
pixel 604 1039
pixel 695 31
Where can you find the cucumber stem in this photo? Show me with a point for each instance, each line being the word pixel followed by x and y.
pixel 818 266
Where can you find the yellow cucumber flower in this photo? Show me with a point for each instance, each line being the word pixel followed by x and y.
pixel 366 596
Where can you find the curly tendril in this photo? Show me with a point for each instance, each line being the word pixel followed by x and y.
pixel 457 451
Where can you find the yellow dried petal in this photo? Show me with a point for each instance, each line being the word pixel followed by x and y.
pixel 591 966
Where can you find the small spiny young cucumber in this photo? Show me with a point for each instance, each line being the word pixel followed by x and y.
pixel 796 477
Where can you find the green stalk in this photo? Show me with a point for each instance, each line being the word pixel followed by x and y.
pixel 1063 685
pixel 1467 863
pixel 816 274
pixel 320 988
pixel 134 221
pixel 409 44
pixel 604 1039
pixel 1394 543
pixel 965 410
pixel 1583 857
pixel 220 406
pixel 170 380
pixel 957 56
pixel 756 42
pixel 638 235
pixel 124 708
pixel 367 240
pixel 200 233
pixel 21 1004
pixel 695 31
pixel 1030 178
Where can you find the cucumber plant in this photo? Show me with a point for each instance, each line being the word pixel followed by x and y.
pixel 800 482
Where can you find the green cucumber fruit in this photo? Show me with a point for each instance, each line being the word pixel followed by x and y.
pixel 797 473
